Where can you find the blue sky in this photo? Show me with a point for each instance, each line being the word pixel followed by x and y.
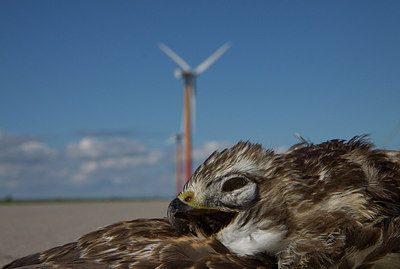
pixel 88 100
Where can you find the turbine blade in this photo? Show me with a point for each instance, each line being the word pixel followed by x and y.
pixel 175 57
pixel 210 60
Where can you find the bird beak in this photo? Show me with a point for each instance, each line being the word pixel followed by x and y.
pixel 177 206
pixel 188 217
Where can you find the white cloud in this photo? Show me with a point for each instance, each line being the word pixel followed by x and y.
pixel 35 147
pixel 122 156
pixel 201 152
pixel 89 167
pixel 13 148
pixel 90 147
pixel 23 159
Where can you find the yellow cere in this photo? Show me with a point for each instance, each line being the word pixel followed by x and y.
pixel 189 198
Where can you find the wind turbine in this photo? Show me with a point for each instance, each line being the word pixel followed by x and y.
pixel 189 96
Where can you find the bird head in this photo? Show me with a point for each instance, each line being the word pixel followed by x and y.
pixel 221 191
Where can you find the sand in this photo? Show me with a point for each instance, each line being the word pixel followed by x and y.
pixel 33 227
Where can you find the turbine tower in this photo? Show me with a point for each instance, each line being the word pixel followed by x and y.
pixel 178 140
pixel 189 96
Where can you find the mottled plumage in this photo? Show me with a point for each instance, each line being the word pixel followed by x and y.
pixel 332 205
pixel 142 244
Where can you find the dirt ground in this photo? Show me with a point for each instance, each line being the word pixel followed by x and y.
pixel 33 227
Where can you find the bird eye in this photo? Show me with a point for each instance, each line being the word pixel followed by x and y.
pixel 234 184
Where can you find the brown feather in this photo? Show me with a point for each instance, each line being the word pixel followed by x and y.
pixel 142 243
pixel 338 201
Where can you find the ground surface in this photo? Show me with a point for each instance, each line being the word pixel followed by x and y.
pixel 33 227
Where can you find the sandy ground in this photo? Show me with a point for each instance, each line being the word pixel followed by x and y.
pixel 30 228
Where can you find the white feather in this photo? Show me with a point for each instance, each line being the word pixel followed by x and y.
pixel 249 240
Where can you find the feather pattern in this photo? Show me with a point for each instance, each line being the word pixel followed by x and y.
pixel 330 205
pixel 141 243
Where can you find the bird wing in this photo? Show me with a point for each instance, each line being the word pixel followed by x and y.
pixel 141 243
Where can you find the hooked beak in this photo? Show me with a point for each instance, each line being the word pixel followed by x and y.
pixel 186 218
pixel 177 206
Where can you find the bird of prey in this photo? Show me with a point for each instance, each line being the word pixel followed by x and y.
pixel 331 205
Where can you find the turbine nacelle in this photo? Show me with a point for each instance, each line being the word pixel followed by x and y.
pixel 179 73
